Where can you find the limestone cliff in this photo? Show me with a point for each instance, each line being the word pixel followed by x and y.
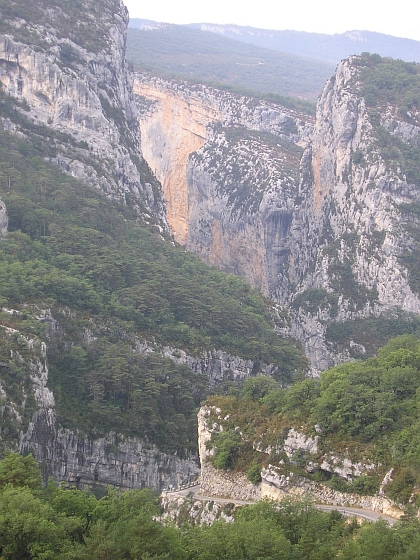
pixel 229 169
pixel 327 233
pixel 76 90
pixel 348 233
pixel 174 128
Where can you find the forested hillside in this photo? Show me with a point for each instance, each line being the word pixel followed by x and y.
pixel 61 523
pixel 329 47
pixel 95 266
pixel 178 51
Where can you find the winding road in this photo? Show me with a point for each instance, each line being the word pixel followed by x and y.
pixel 347 511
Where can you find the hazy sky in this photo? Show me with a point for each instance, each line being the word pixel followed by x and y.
pixel 401 18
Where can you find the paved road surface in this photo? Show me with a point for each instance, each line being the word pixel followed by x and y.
pixel 347 511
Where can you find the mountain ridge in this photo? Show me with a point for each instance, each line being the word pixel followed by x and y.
pixel 330 47
pixel 177 51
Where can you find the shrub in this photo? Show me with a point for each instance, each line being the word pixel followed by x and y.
pixel 227 445
pixel 254 474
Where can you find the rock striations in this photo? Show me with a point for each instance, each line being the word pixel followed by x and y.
pixel 79 92
pixel 347 234
pixel 320 232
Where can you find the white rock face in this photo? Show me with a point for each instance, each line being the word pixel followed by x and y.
pixel 89 99
pixel 199 512
pixel 218 365
pixel 298 441
pixel 72 457
pixel 4 220
pixel 349 221
pixel 344 467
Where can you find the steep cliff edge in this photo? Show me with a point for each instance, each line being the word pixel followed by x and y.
pixel 172 128
pixel 355 221
pixel 66 65
pixel 229 168
pixel 329 233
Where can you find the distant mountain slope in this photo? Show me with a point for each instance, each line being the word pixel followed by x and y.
pixel 180 51
pixel 320 45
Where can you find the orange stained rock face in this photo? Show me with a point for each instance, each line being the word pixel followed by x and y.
pixel 321 188
pixel 173 128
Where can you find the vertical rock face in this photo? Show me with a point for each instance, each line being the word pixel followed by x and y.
pixel 229 169
pixel 172 128
pixel 323 232
pixel 4 220
pixel 242 188
pixel 347 236
pixel 74 458
pixel 76 89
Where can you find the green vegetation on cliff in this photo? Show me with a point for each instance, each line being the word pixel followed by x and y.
pixel 368 410
pixel 84 22
pixel 391 89
pixel 109 280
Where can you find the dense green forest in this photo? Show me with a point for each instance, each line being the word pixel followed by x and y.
pixel 99 269
pixel 178 51
pixel 367 409
pixel 58 523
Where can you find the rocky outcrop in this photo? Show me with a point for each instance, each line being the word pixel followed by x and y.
pixel 275 484
pixel 73 456
pixel 76 458
pixel 346 235
pixel 83 101
pixel 229 169
pixel 216 365
pixel 4 220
